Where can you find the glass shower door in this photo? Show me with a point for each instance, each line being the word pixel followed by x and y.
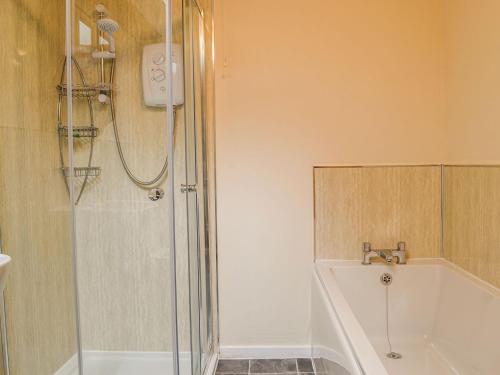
pixel 122 173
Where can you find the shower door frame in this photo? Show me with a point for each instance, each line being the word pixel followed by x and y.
pixel 202 243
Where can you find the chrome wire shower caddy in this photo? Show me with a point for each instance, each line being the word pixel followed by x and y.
pixel 86 131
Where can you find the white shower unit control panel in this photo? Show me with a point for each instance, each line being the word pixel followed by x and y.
pixel 154 75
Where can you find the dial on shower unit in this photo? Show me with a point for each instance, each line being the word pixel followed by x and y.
pixel 154 75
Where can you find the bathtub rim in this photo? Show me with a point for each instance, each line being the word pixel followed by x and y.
pixel 341 263
pixel 361 347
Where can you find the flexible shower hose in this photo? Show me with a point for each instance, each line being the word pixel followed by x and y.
pixel 145 184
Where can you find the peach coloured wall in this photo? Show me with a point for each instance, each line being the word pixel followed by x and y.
pixel 473 76
pixel 298 85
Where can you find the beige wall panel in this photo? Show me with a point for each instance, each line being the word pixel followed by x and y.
pixel 472 217
pixel 381 205
pixel 34 215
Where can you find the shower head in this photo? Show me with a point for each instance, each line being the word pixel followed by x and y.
pixel 107 25
pixel 101 9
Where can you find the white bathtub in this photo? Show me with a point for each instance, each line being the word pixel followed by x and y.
pixel 442 319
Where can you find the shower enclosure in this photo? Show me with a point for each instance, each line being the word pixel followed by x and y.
pixel 107 188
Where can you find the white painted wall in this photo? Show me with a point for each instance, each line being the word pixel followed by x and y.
pixel 301 84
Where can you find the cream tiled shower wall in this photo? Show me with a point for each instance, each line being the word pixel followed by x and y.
pixel 380 205
pixel 34 214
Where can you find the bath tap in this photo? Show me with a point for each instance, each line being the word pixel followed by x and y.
pixel 400 253
pixel 387 255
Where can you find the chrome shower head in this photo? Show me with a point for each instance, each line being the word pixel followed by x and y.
pixel 107 25
pixel 101 10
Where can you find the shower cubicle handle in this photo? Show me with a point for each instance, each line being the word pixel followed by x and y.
pixel 188 188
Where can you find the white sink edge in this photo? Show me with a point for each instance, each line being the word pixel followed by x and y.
pixel 4 259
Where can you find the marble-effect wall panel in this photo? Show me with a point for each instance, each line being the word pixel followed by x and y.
pixel 471 217
pixel 381 205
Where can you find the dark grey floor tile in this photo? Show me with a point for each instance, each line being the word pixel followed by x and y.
pixel 272 366
pixel 305 365
pixel 233 366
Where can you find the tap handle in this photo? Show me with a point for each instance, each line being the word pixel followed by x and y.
pixel 402 246
pixel 367 247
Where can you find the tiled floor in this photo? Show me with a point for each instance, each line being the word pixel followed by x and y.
pixel 265 366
